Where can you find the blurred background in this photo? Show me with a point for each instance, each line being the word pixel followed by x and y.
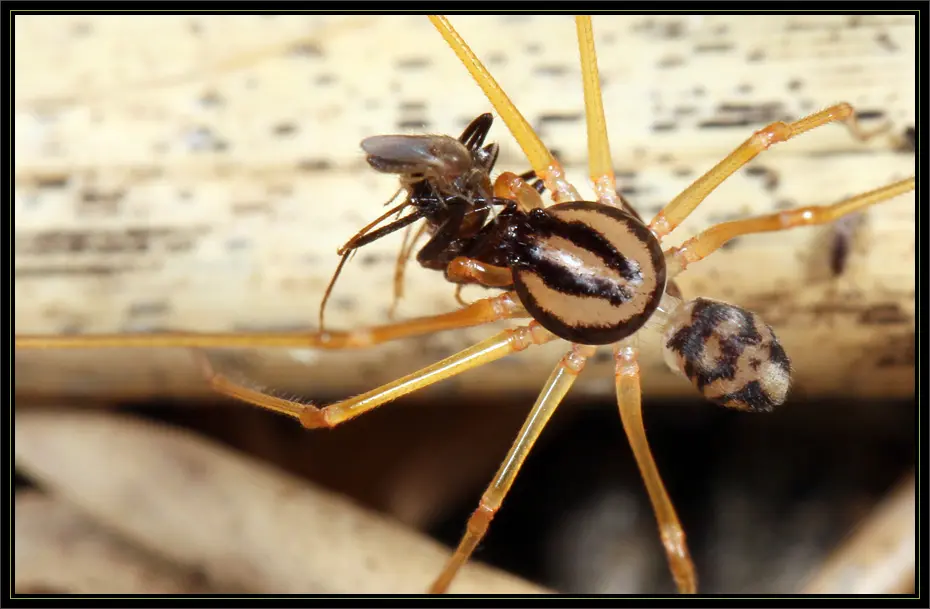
pixel 199 172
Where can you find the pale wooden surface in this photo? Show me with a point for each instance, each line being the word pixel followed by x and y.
pixel 185 172
pixel 246 526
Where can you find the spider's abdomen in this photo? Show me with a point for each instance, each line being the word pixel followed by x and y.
pixel 730 355
pixel 587 272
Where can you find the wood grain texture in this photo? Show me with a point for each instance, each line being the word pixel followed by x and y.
pixel 199 172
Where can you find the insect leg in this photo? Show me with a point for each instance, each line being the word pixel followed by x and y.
pixel 560 381
pixel 310 416
pixel 403 257
pixel 681 206
pixel 629 400
pixel 702 245
pixel 364 238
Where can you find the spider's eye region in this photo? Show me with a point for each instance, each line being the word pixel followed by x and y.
pixel 588 273
pixel 730 355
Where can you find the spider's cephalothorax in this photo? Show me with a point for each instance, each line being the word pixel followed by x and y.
pixel 588 273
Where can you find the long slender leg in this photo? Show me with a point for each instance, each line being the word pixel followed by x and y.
pixel 560 381
pixel 310 416
pixel 486 310
pixel 629 400
pixel 542 161
pixel 599 162
pixel 681 206
pixel 703 244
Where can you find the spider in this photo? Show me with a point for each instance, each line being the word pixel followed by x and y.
pixel 587 272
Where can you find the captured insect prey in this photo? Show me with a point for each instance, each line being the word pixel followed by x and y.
pixel 447 183
pixel 587 272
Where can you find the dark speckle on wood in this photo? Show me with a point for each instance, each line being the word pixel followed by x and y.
pixel 325 79
pixel 413 125
pixel 572 117
pixel 908 141
pixel 52 181
pixel 712 47
pixel 769 176
pixel 210 99
pixel 869 114
pixel 885 41
pixel 884 314
pixel 81 29
pixel 670 61
pixel 314 165
pixel 551 70
pixel 413 63
pixel 283 129
pixel 496 59
pixel 307 49
pixel 149 307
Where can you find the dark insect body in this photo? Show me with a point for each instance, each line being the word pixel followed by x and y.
pixel 447 183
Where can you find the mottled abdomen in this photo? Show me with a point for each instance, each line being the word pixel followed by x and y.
pixel 729 353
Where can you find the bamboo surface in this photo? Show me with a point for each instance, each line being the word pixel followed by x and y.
pixel 199 172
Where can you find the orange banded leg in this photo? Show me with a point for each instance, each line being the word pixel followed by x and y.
pixel 544 164
pixel 682 205
pixel 560 381
pixel 310 416
pixel 705 243
pixel 486 310
pixel 486 274
pixel 629 400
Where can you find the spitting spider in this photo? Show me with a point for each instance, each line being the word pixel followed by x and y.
pixel 588 272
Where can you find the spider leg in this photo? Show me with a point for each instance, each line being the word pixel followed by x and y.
pixel 599 162
pixel 310 416
pixel 681 206
pixel 629 400
pixel 544 164
pixel 560 381
pixel 705 243
pixel 486 310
